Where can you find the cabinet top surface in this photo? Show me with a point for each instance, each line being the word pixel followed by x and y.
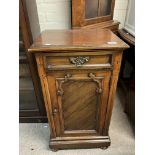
pixel 77 40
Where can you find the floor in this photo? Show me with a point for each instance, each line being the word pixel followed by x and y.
pixel 34 137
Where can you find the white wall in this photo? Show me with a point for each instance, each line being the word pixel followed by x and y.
pixel 54 14
pixel 33 18
pixel 120 11
pixel 130 18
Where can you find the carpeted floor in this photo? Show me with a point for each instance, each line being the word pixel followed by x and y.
pixel 34 137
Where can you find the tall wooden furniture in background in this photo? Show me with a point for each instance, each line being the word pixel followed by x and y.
pixel 78 70
pixel 127 75
pixel 31 107
pixel 94 14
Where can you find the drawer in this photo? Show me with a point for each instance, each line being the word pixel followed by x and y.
pixel 59 62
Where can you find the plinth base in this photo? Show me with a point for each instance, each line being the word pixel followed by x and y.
pixel 79 143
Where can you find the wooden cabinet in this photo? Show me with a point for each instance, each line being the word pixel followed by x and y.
pixel 94 14
pixel 31 107
pixel 78 71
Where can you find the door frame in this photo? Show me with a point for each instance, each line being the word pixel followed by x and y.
pixel 101 81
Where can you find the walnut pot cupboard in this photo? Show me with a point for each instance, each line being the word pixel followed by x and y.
pixel 78 70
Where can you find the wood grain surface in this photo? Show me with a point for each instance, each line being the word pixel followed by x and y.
pixel 60 40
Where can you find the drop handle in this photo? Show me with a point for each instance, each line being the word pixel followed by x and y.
pixel 55 111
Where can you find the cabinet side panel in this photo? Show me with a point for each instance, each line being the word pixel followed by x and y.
pixel 46 94
pixel 113 85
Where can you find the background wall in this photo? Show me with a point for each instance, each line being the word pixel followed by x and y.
pixel 56 14
pixel 32 12
pixel 130 18
pixel 120 11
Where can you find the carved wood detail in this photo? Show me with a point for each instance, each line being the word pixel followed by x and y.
pixel 60 91
pixel 67 77
pixel 93 77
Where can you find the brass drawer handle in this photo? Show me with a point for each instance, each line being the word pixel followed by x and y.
pixel 79 60
pixel 93 77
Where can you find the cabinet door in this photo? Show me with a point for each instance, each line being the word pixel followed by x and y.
pixel 98 11
pixel 91 8
pixel 105 7
pixel 97 8
pixel 79 102
pixel 91 12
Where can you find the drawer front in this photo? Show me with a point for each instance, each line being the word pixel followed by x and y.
pixel 88 61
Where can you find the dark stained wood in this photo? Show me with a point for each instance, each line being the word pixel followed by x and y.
pixel 28 58
pixel 127 83
pixel 33 119
pixel 24 24
pixel 78 101
pixel 29 112
pixel 127 36
pixel 24 70
pixel 22 58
